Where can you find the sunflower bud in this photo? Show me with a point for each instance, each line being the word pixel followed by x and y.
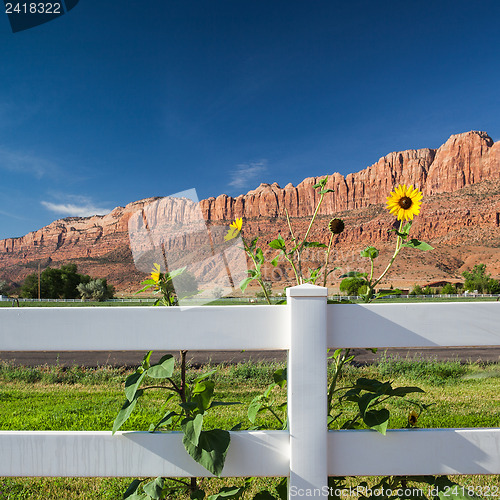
pixel 336 226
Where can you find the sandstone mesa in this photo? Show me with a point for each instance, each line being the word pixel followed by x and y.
pixel 460 217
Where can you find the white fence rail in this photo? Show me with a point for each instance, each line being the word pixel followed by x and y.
pixel 307 453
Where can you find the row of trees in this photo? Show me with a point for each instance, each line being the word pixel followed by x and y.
pixel 477 279
pixel 66 283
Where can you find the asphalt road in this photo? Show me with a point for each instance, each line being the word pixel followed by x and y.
pixel 196 358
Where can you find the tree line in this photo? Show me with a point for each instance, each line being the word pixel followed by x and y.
pixel 66 283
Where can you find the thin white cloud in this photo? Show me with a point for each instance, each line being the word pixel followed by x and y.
pixel 20 162
pixel 75 206
pixel 246 173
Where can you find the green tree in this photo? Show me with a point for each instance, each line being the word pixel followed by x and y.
pixel 351 286
pixel 59 283
pixel 477 279
pixel 448 289
pixel 417 290
pixel 97 289
pixel 4 287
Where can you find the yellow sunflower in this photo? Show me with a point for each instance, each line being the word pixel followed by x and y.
pixel 156 272
pixel 234 229
pixel 404 202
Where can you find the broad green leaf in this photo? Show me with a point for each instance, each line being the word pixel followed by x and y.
pixel 126 411
pixel 282 489
pixel 254 407
pixel 259 255
pixel 205 375
pixel 202 394
pixel 421 245
pixel 377 420
pixel 279 376
pixel 278 244
pixel 211 450
pixel 175 273
pixel 192 429
pixel 269 389
pixel 244 283
pixel 154 488
pixel 369 253
pixel 402 391
pixel 197 495
pixel 275 261
pixel 371 385
pixel 365 400
pixel 163 369
pixel 228 492
pixel 132 384
pixel 264 495
pixel 324 191
pixel 132 488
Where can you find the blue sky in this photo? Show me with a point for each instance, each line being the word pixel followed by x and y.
pixel 122 100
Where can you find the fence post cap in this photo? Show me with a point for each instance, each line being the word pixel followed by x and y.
pixel 307 290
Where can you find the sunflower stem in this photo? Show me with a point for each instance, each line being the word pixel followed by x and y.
pixel 326 260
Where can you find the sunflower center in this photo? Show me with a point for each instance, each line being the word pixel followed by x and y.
pixel 405 202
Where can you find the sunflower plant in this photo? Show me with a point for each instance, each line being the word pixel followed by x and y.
pixel 404 203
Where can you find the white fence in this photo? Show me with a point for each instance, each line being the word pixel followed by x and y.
pixel 306 326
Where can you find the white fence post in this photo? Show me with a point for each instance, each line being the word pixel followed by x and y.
pixel 307 390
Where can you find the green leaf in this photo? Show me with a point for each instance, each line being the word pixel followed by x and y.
pixel 421 245
pixel 132 488
pixel 205 375
pixel 175 273
pixel 324 191
pixel 154 488
pixel 192 429
pixel 244 283
pixel 132 384
pixel 211 450
pixel 145 361
pixel 264 495
pixel 197 495
pixel 377 420
pixel 402 391
pixel 126 411
pixel 313 244
pixel 259 255
pixel 275 261
pixel 167 419
pixel 279 376
pixel 278 244
pixel 202 394
pixel 365 400
pixel 254 407
pixel 282 489
pixel 163 369
pixel 372 385
pixel 369 252
pixel 228 492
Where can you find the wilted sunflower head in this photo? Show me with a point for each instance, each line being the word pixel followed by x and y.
pixel 413 417
pixel 336 226
pixel 404 202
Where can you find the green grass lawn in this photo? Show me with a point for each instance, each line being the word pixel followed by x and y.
pixel 54 398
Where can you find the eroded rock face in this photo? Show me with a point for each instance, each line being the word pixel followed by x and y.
pixel 100 244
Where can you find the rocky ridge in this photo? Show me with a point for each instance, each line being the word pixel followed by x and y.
pixel 460 215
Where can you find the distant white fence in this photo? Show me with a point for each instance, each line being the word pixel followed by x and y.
pixel 306 326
